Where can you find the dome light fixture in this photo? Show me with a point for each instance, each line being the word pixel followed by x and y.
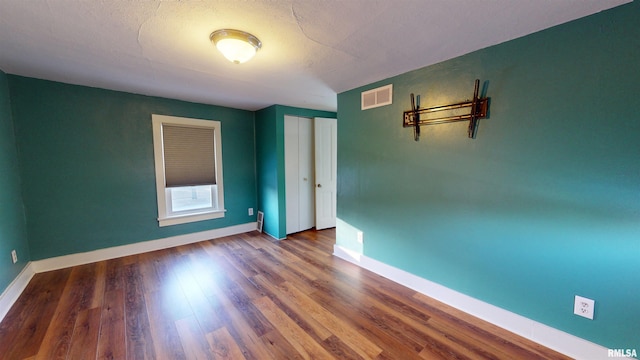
pixel 236 45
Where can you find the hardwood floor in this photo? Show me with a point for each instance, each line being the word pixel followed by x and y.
pixel 242 297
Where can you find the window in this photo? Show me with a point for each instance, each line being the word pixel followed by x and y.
pixel 188 160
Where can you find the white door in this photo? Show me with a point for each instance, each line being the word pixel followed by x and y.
pixel 299 185
pixel 305 175
pixel 326 155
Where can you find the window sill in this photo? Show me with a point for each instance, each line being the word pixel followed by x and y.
pixel 183 219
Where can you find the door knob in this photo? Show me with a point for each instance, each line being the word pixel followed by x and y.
pixel 319 185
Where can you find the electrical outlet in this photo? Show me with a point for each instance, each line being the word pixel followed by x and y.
pixel 584 307
pixel 360 237
pixel 14 256
pixel 250 211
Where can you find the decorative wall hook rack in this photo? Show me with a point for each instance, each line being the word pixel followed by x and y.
pixel 477 109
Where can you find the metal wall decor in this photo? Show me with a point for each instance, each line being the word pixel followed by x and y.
pixel 477 109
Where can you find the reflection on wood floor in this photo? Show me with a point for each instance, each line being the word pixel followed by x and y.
pixel 242 297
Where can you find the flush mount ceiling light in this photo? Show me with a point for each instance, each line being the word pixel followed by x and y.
pixel 237 46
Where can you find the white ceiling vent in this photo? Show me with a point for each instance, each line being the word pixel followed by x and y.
pixel 377 97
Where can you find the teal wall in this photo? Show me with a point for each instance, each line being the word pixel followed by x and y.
pixel 267 170
pixel 543 205
pixel 13 232
pixel 87 165
pixel 270 163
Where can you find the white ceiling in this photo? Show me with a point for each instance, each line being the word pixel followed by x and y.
pixel 311 50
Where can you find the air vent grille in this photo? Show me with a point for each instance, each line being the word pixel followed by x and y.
pixel 377 97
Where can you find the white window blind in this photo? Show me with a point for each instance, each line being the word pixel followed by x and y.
pixel 189 156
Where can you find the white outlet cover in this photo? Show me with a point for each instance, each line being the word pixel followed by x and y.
pixel 584 307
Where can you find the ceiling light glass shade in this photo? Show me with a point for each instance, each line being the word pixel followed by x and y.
pixel 237 46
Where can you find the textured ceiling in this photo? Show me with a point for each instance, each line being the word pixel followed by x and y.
pixel 311 51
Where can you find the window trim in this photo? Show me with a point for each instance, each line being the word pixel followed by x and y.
pixel 164 217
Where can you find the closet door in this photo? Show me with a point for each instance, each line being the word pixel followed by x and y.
pixel 291 170
pixel 299 169
pixel 326 157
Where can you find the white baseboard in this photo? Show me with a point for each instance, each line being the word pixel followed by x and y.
pixel 552 338
pixel 65 261
pixel 13 291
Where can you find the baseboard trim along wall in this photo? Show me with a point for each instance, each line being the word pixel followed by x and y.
pixel 552 338
pixel 66 261
pixel 13 291
pixel 17 286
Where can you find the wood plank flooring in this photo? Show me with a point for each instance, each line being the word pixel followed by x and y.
pixel 242 297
